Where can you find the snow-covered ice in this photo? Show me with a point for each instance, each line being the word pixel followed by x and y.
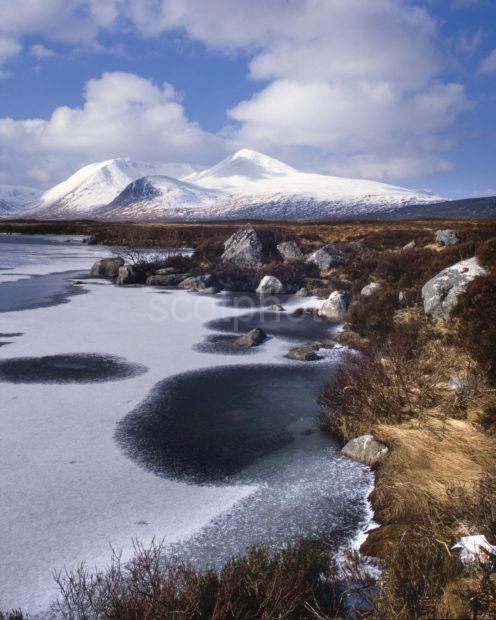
pixel 68 491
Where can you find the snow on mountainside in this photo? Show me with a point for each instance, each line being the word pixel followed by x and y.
pixel 17 198
pixel 150 197
pixel 244 185
pixel 253 185
pixel 91 187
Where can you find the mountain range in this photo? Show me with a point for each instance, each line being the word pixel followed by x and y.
pixel 245 185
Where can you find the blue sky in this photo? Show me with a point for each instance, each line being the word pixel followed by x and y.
pixel 392 90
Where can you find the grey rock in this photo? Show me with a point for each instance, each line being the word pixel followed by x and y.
pixel 440 294
pixel 106 268
pixel 402 297
pixel 171 279
pixel 196 282
pixel 244 248
pixel 335 307
pixel 289 250
pixel 167 271
pixel 447 237
pixel 209 290
pixel 308 352
pixel 275 308
pixel 365 449
pixel 410 246
pixel 370 289
pixel 252 339
pixel 302 292
pixel 270 285
pixel 457 383
pixel 355 245
pixel 328 256
pixel 128 274
pixel 91 240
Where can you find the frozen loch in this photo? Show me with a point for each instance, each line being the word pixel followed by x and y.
pixel 116 425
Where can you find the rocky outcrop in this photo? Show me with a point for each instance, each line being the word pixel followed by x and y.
pixel 328 256
pixel 244 249
pixel 308 352
pixel 270 285
pixel 171 279
pixel 365 449
pixel 447 237
pixel 370 289
pixel 128 274
pixel 440 294
pixel 252 339
pixel 289 250
pixel 302 292
pixel 335 307
pixel 196 282
pixel 106 268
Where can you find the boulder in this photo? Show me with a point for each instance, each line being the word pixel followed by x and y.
pixel 289 250
pixel 457 383
pixel 275 308
pixel 355 245
pixel 335 307
pixel 302 292
pixel 106 268
pixel 440 294
pixel 447 237
pixel 209 290
pixel 365 449
pixel 128 274
pixel 244 248
pixel 370 289
pixel 171 279
pixel 308 352
pixel 196 282
pixel 270 285
pixel 167 271
pixel 328 256
pixel 252 339
pixel 409 246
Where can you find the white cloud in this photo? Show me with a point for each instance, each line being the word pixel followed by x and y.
pixel 351 81
pixel 124 115
pixel 488 65
pixel 41 52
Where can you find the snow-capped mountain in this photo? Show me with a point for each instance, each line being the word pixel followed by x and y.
pixel 246 184
pixel 91 187
pixel 152 197
pixel 17 198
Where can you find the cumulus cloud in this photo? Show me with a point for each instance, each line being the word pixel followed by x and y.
pixel 351 81
pixel 488 65
pixel 123 115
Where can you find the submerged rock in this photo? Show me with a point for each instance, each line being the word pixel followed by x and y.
pixel 252 339
pixel 270 285
pixel 447 237
pixel 244 248
pixel 334 309
pixel 365 449
pixel 128 274
pixel 106 268
pixel 302 292
pixel 171 279
pixel 308 352
pixel 196 282
pixel 328 256
pixel 440 294
pixel 289 250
